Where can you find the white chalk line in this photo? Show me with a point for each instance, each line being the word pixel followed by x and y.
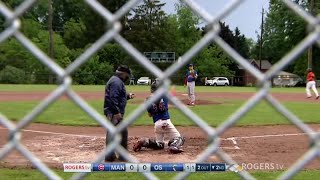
pixel 232 139
pixel 234 143
pixel 267 135
pixel 56 133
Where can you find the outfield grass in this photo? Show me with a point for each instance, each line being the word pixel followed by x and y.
pixel 100 88
pixel 34 174
pixel 64 112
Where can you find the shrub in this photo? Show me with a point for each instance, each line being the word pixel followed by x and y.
pixel 12 75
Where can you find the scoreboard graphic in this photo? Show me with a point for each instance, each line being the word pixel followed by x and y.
pixel 145 167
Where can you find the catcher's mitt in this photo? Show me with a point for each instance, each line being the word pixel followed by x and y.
pixel 138 145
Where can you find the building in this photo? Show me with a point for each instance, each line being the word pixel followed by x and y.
pixel 286 79
pixel 244 78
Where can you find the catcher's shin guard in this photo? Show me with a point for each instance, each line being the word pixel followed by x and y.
pixel 153 144
pixel 175 145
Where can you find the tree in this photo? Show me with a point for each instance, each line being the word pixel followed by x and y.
pixel 251 45
pixel 226 34
pixel 74 33
pixel 76 26
pixel 283 31
pixel 188 31
pixel 114 55
pixel 240 43
pixel 97 25
pixel 14 54
pixel 217 61
pixel 149 24
pixel 94 72
pixel 2 21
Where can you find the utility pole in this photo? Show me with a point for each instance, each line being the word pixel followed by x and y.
pixel 50 19
pixel 261 39
pixel 310 50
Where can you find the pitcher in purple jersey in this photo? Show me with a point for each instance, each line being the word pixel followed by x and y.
pixel 191 77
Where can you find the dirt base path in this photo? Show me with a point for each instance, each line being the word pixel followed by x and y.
pixel 29 96
pixel 281 145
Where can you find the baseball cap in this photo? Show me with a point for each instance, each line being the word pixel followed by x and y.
pixel 190 65
pixel 124 68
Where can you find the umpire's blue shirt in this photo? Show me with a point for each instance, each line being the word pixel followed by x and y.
pixel 115 99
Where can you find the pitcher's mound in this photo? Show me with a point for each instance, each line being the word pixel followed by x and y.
pixel 201 102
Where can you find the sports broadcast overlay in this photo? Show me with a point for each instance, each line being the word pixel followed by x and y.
pixel 145 167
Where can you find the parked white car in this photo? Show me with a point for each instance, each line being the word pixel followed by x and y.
pixel 217 81
pixel 144 81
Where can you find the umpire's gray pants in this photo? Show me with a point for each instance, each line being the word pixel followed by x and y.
pixel 109 138
pixel 191 86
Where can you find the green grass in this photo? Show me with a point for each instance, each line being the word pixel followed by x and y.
pixel 65 112
pixel 26 174
pixel 100 88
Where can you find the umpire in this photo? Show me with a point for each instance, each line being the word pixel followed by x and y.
pixel 115 102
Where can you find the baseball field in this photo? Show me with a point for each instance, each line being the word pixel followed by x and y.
pixel 64 133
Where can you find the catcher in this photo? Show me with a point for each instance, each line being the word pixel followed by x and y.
pixel 162 127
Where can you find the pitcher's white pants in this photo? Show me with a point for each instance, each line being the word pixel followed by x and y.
pixel 191 95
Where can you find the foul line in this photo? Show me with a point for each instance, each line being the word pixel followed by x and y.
pixel 266 136
pixel 56 133
pixel 233 139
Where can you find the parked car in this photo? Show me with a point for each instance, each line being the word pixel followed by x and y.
pixel 217 81
pixel 144 81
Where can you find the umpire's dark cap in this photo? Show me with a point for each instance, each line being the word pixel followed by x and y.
pixel 190 65
pixel 124 68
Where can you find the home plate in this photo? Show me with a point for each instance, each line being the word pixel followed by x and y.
pixel 184 94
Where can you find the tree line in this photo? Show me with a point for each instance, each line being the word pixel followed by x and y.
pixel 149 28
pixel 283 30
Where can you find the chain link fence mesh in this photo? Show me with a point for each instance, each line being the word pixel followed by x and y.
pixel 12 30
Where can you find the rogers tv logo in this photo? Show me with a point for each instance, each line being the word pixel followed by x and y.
pixel 77 167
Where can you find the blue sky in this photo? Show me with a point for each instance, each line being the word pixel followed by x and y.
pixel 247 16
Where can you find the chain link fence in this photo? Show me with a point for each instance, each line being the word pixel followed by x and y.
pixel 64 77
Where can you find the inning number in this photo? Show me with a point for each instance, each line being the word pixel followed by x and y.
pixel 131 167
pixel 198 167
pixel 144 167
